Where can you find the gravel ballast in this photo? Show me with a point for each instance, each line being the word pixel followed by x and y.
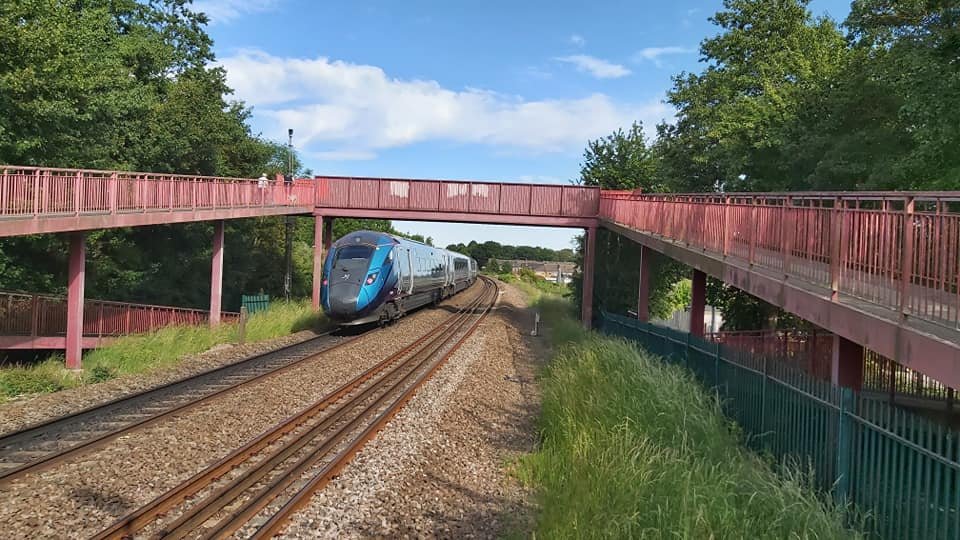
pixel 83 496
pixel 440 468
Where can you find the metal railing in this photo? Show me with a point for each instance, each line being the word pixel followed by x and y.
pixel 450 196
pixel 900 472
pixel 41 315
pixel 898 250
pixel 812 353
pixel 45 191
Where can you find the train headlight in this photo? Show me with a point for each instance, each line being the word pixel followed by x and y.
pixel 371 278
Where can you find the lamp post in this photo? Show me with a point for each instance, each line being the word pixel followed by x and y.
pixel 288 225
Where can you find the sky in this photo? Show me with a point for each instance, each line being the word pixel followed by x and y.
pixel 495 90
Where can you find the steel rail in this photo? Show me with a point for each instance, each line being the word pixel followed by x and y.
pixel 32 433
pixel 143 516
pixel 265 496
pixel 276 523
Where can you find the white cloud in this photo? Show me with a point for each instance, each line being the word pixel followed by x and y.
pixel 226 10
pixel 353 110
pixel 578 40
pixel 654 54
pixel 597 67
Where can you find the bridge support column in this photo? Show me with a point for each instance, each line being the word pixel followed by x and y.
pixel 216 273
pixel 698 302
pixel 846 368
pixel 589 256
pixel 643 294
pixel 76 273
pixel 319 247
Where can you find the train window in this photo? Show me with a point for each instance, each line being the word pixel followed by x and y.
pixel 353 252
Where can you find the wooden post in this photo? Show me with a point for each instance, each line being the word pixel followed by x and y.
pixel 242 327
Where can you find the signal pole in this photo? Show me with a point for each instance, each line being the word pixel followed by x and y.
pixel 288 225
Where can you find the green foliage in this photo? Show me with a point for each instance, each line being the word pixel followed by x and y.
pixel 485 251
pixel 619 161
pixel 633 448
pixel 163 348
pixel 46 377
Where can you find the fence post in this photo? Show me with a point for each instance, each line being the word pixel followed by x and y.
pixel 78 193
pixel 787 231
pixel 35 315
pixel 36 192
pixel 841 491
pixel 753 231
pixel 835 251
pixel 763 395
pixel 242 327
pixel 906 257
pixel 726 226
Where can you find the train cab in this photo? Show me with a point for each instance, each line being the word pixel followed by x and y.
pixel 358 273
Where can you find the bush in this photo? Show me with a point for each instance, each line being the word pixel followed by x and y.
pixel 42 378
pixel 165 347
pixel 632 447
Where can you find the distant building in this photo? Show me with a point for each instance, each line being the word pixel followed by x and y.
pixel 557 272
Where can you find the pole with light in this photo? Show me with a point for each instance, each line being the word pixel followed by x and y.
pixel 288 229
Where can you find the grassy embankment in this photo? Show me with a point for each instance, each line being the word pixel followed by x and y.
pixel 632 447
pixel 146 352
pixel 533 285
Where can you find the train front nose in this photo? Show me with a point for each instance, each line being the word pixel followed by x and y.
pixel 343 300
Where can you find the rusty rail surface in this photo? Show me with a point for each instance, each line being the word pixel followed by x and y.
pixel 900 250
pixel 297 445
pixel 26 314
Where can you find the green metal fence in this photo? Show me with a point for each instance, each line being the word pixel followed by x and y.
pixel 900 471
pixel 255 302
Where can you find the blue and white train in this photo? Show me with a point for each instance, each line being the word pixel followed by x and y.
pixel 372 276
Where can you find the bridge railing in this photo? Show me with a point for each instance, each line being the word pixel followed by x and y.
pixel 43 191
pixel 25 314
pixel 811 352
pixel 897 249
pixel 457 196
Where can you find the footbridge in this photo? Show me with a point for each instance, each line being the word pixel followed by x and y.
pixel 878 270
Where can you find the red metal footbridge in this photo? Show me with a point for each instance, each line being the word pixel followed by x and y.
pixel 878 270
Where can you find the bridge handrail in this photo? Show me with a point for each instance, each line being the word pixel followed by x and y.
pixel 38 314
pixel 900 250
pixel 461 196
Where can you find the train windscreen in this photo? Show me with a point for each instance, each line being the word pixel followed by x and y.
pixel 353 253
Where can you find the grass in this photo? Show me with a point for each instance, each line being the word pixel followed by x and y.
pixel 146 352
pixel 634 448
pixel 534 286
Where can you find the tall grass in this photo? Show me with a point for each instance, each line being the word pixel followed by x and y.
pixel 632 447
pixel 163 348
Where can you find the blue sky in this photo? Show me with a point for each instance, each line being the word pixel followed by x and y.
pixel 493 90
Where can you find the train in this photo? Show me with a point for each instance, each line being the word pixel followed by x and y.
pixel 371 276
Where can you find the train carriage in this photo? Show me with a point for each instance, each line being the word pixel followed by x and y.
pixel 371 276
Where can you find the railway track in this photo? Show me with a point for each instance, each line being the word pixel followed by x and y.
pixel 256 489
pixel 46 444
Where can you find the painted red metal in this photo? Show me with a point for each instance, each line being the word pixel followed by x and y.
pixel 589 263
pixel 698 303
pixel 42 200
pixel 75 275
pixel 318 254
pixel 458 198
pixel 35 321
pixel 461 217
pixel 897 250
pixel 216 274
pixel 930 349
pixel 846 367
pixel 643 292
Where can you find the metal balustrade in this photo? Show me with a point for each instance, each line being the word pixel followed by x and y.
pixel 35 315
pixel 897 250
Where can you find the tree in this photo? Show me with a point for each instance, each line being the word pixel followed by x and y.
pixel 768 55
